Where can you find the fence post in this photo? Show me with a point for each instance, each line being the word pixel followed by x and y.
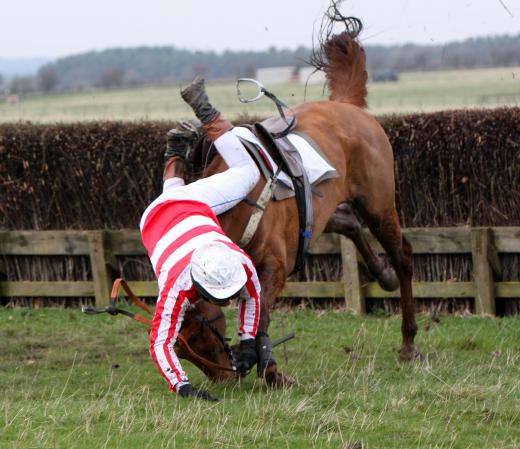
pixel 354 298
pixel 3 271
pixel 481 242
pixel 100 270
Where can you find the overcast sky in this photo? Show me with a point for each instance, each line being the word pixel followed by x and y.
pixel 53 28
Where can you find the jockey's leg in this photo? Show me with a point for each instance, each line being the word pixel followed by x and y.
pixel 213 123
pixel 195 95
pixel 217 127
pixel 223 190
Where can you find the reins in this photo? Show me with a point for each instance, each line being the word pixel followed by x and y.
pixel 205 322
pixel 113 310
pixel 207 363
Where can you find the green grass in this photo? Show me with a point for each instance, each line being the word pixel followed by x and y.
pixel 73 381
pixel 419 91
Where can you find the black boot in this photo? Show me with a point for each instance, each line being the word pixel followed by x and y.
pixel 195 95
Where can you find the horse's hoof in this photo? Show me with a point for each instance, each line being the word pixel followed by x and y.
pixel 274 379
pixel 410 354
pixel 280 380
pixel 388 280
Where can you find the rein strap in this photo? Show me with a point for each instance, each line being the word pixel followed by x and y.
pixel 118 283
pixel 204 361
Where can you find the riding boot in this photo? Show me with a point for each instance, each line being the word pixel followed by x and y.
pixel 217 126
pixel 195 95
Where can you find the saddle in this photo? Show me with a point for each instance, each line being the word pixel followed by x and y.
pixel 272 133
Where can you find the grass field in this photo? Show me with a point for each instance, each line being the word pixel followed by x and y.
pixel 72 381
pixel 421 91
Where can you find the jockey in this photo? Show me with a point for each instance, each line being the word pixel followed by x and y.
pixel 189 251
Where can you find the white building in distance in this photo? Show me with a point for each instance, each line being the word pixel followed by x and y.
pixel 289 74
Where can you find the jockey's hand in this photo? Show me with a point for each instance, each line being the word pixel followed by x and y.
pixel 180 139
pixel 187 391
pixel 246 357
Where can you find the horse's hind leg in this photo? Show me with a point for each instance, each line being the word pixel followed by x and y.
pixel 385 227
pixel 345 222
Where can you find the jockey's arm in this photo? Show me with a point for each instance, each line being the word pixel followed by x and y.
pixel 167 322
pixel 225 190
pixel 248 318
pixel 249 304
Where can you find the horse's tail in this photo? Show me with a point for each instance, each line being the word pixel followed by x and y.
pixel 342 58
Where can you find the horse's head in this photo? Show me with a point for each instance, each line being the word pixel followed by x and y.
pixel 204 330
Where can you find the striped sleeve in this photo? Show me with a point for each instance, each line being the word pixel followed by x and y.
pixel 249 304
pixel 167 321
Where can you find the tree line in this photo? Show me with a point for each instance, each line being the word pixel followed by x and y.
pixel 125 67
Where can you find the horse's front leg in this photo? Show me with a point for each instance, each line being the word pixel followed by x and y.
pixel 272 278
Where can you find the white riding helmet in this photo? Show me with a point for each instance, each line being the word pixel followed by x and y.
pixel 217 271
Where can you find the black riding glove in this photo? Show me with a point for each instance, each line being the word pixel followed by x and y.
pixel 180 139
pixel 246 357
pixel 187 391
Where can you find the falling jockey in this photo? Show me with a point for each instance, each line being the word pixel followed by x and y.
pixel 190 253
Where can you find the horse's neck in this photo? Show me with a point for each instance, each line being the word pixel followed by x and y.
pixel 217 165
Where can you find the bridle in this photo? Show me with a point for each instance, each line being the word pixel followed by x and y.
pixel 204 322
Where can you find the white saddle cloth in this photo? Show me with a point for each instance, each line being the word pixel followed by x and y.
pixel 317 168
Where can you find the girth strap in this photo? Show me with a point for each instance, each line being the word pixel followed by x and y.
pixel 303 192
pixel 292 164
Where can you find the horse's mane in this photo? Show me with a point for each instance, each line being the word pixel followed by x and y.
pixel 198 159
pixel 341 57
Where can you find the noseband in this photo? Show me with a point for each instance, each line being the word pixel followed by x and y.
pixel 204 322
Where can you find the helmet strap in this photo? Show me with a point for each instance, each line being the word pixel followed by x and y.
pixel 210 298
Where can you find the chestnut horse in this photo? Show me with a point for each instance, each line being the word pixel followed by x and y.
pixel 356 145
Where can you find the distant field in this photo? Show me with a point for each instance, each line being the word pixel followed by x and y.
pixel 418 91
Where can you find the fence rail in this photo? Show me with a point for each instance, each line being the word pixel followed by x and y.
pixel 102 247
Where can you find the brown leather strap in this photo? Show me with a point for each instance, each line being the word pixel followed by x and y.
pixel 204 361
pixel 142 319
pixel 118 283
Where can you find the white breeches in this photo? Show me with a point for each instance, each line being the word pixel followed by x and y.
pixel 221 191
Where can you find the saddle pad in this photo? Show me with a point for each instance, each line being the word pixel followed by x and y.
pixel 316 166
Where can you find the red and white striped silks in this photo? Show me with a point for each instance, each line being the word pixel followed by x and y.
pixel 171 230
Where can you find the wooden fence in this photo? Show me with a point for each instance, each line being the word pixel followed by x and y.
pixel 484 244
